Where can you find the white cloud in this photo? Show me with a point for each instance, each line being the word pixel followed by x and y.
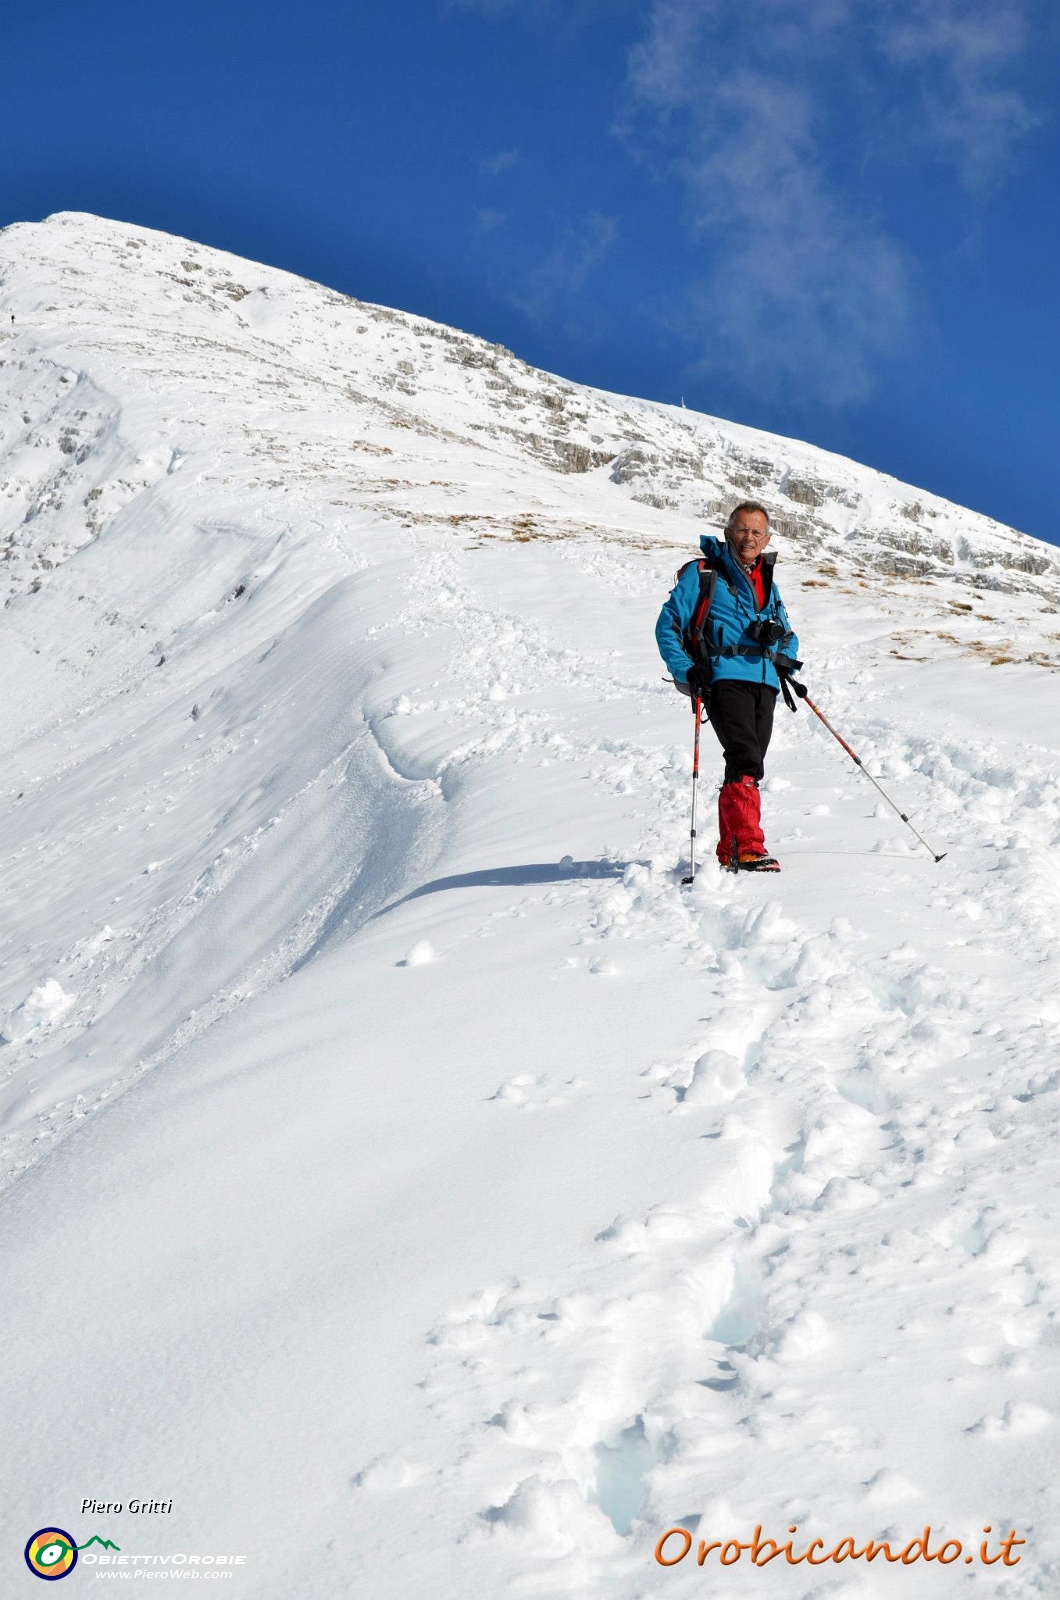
pixel 798 287
pixel 769 114
pixel 487 221
pixel 503 161
pixel 955 52
pixel 565 270
pixel 663 67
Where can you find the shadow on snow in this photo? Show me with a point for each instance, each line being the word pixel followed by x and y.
pixel 533 872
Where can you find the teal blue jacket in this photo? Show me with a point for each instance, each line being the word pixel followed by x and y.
pixel 730 650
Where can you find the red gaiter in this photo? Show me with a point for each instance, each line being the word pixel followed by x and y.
pixel 739 821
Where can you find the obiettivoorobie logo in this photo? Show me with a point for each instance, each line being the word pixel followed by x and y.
pixel 51 1553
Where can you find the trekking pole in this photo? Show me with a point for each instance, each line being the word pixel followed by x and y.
pixel 800 690
pixel 695 785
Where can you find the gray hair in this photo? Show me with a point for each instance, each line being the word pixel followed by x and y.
pixel 745 505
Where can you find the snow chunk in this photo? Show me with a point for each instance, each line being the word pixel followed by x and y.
pixel 554 1518
pixel 420 955
pixel 716 1078
pixel 805 1334
pixel 44 1004
pixel 846 1194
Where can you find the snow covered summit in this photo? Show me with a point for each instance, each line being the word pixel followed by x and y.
pixel 416 1153
pixel 194 321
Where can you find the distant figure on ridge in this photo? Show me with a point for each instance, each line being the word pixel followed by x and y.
pixel 724 634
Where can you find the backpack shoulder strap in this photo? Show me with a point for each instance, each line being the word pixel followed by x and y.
pixel 694 641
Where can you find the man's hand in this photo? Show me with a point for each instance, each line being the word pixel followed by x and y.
pixel 698 682
pixel 786 664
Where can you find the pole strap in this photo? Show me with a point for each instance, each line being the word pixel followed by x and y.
pixel 787 684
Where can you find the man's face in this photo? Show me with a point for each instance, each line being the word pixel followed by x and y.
pixel 749 536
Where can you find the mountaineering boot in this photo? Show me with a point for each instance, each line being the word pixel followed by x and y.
pixel 741 842
pixel 757 864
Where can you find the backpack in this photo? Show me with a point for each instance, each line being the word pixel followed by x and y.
pixel 696 638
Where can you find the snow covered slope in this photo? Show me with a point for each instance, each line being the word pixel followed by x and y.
pixel 404 1175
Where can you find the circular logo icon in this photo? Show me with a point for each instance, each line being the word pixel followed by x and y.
pixel 51 1553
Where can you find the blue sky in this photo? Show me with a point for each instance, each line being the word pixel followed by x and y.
pixel 835 219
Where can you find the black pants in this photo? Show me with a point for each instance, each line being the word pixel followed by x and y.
pixel 741 715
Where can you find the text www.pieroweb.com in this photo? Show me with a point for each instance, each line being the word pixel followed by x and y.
pixel 676 1543
pixel 174 1574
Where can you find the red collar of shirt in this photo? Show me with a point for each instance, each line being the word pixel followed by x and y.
pixel 756 579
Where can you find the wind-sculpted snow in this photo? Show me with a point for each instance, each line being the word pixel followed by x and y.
pixel 405 1174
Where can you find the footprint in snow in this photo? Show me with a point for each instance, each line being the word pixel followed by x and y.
pixel 1020 1417
pixel 391 1472
pixel 530 1090
pixel 889 1488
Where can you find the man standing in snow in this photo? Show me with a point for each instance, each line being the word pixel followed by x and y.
pixel 724 634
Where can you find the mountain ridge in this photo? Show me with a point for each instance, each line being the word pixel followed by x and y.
pixel 828 506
